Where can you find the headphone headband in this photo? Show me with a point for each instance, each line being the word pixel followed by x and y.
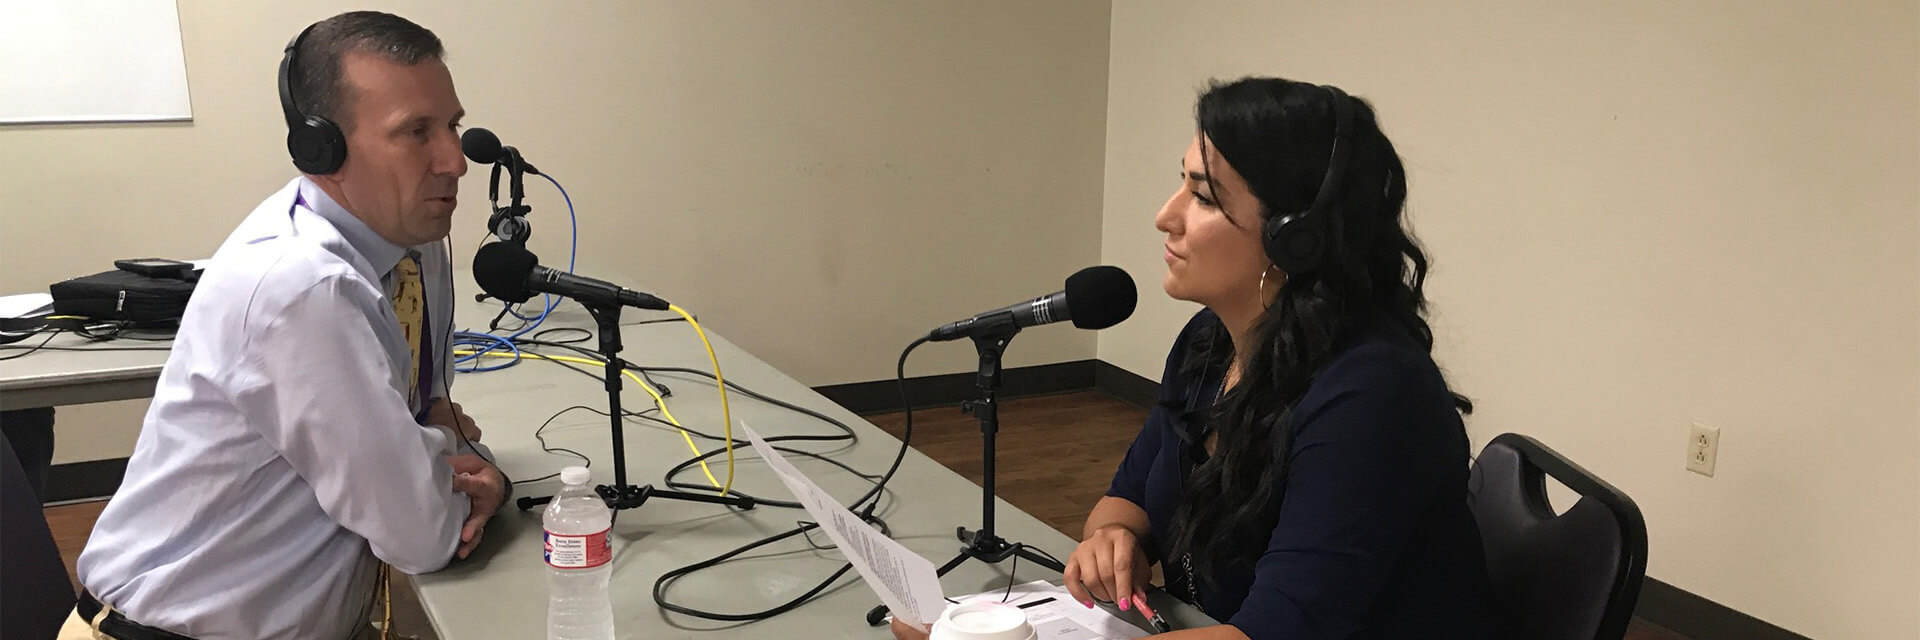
pixel 1298 242
pixel 1337 158
pixel 287 106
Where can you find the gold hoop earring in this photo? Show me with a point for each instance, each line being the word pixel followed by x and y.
pixel 1264 302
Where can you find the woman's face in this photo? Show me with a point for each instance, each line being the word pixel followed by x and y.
pixel 1213 250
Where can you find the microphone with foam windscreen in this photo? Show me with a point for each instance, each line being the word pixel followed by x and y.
pixel 510 272
pixel 480 145
pixel 1094 298
pixel 507 223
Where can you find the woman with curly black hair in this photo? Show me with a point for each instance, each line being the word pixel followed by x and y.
pixel 1305 473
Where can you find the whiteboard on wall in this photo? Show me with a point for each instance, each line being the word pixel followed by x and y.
pixel 91 61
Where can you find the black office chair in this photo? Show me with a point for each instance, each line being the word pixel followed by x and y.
pixel 1573 576
pixel 35 595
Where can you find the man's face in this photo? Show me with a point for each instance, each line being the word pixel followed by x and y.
pixel 403 163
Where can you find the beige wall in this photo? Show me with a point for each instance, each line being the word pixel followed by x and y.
pixel 822 181
pixel 1643 214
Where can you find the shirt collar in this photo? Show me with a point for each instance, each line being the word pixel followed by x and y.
pixel 379 252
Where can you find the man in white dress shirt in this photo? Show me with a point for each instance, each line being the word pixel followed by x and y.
pixel 301 435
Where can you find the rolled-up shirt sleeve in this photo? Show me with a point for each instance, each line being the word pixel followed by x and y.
pixel 316 376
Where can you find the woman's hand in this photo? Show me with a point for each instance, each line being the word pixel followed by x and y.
pixel 903 632
pixel 1109 566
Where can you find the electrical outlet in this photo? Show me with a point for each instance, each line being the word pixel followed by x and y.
pixel 1703 449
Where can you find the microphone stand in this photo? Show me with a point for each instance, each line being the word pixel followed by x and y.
pixel 621 495
pixel 983 544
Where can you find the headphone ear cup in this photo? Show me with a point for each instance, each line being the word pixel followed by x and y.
pixel 1295 244
pixel 317 146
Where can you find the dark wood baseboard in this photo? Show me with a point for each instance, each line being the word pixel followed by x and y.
pixel 1127 386
pixel 84 480
pixel 883 396
pixel 1698 618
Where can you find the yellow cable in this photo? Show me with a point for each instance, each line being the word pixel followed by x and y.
pixel 658 401
pixel 726 412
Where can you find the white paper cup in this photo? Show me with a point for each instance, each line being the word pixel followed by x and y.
pixel 982 621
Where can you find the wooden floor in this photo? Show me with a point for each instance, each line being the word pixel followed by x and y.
pixel 1056 456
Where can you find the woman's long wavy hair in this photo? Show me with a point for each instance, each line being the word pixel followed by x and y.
pixel 1277 134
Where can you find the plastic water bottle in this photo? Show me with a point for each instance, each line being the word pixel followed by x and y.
pixel 578 561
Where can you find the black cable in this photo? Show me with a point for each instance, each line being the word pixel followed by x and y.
pixel 585 335
pixel 446 381
pixel 4 347
pixel 906 437
pixel 660 586
pixel 866 513
pixel 673 474
pixel 656 321
pixel 1043 552
pixel 95 333
pixel 585 461
pixel 643 370
pixel 689 464
pixel 29 351
pixel 1013 575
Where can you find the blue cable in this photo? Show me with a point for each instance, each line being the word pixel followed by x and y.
pixel 573 254
pixel 489 342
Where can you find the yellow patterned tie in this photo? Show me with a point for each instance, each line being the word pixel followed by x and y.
pixel 410 307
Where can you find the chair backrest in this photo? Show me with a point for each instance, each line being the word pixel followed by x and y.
pixel 35 594
pixel 1572 576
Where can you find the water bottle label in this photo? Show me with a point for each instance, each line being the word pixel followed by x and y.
pixel 579 552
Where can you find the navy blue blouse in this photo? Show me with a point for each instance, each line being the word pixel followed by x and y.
pixel 1374 539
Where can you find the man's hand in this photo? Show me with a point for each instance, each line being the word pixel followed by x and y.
pixel 486 487
pixel 448 414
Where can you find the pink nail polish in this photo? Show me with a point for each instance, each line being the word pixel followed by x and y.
pixel 1088 603
pixel 1123 604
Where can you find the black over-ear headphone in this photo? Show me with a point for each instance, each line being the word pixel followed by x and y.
pixel 1297 242
pixel 316 144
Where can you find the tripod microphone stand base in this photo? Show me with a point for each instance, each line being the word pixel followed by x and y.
pixel 982 546
pixel 621 495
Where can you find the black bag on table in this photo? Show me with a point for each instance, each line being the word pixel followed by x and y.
pixel 124 295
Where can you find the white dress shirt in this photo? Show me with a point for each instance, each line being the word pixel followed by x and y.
pixel 281 455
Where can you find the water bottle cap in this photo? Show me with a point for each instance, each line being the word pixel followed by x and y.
pixel 575 475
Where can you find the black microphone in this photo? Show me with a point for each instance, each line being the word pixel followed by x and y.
pixel 510 272
pixel 483 147
pixel 1094 298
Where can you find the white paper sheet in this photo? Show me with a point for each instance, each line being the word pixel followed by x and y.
pixel 905 581
pixel 26 305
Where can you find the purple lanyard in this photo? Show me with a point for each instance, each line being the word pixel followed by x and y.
pixel 424 392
